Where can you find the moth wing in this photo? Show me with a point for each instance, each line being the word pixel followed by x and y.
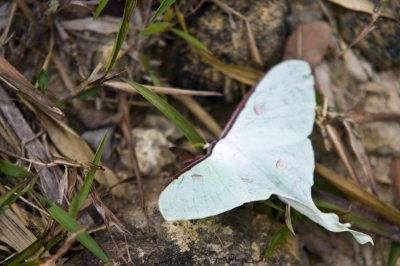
pixel 280 111
pixel 282 170
pixel 208 188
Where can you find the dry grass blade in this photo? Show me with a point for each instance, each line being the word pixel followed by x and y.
pixel 246 75
pixel 365 117
pixel 122 86
pixel 126 131
pixel 201 114
pixel 72 146
pixel 359 194
pixel 254 52
pixel 64 73
pixel 16 80
pixel 14 232
pixel 106 214
pixel 362 157
pixel 52 260
pixel 337 142
pixel 6 30
pixel 26 11
pixel 288 219
pixel 362 34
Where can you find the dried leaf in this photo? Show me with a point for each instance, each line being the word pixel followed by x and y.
pixel 72 146
pixel 337 142
pixel 309 42
pixel 365 6
pixel 13 231
pixel 361 155
pixel 101 25
pixel 12 76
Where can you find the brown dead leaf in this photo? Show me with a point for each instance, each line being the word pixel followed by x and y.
pixel 72 146
pixel 309 42
pixel 365 6
pixel 102 25
pixel 13 231
pixel 362 156
pixel 339 146
pixel 17 81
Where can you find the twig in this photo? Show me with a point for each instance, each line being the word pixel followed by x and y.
pixel 126 131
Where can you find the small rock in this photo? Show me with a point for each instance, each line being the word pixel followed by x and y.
pixel 151 147
pixel 93 138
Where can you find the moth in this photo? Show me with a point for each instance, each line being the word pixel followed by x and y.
pixel 264 150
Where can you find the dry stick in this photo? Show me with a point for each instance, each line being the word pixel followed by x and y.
pixel 65 76
pixel 49 177
pixel 8 26
pixel 126 131
pixel 369 28
pixel 26 11
pixel 51 164
pixel 254 51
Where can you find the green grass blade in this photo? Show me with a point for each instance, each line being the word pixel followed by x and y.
pixel 71 225
pixel 279 237
pixel 28 252
pixel 190 39
pixel 79 199
pixel 100 7
pixel 165 4
pixel 9 198
pixel 10 169
pixel 394 254
pixel 122 32
pixel 172 114
pixel 155 28
pixel 33 262
pixel 43 80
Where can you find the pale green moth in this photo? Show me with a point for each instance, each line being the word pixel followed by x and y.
pixel 264 150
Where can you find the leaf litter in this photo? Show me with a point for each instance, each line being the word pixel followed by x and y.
pixel 358 131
